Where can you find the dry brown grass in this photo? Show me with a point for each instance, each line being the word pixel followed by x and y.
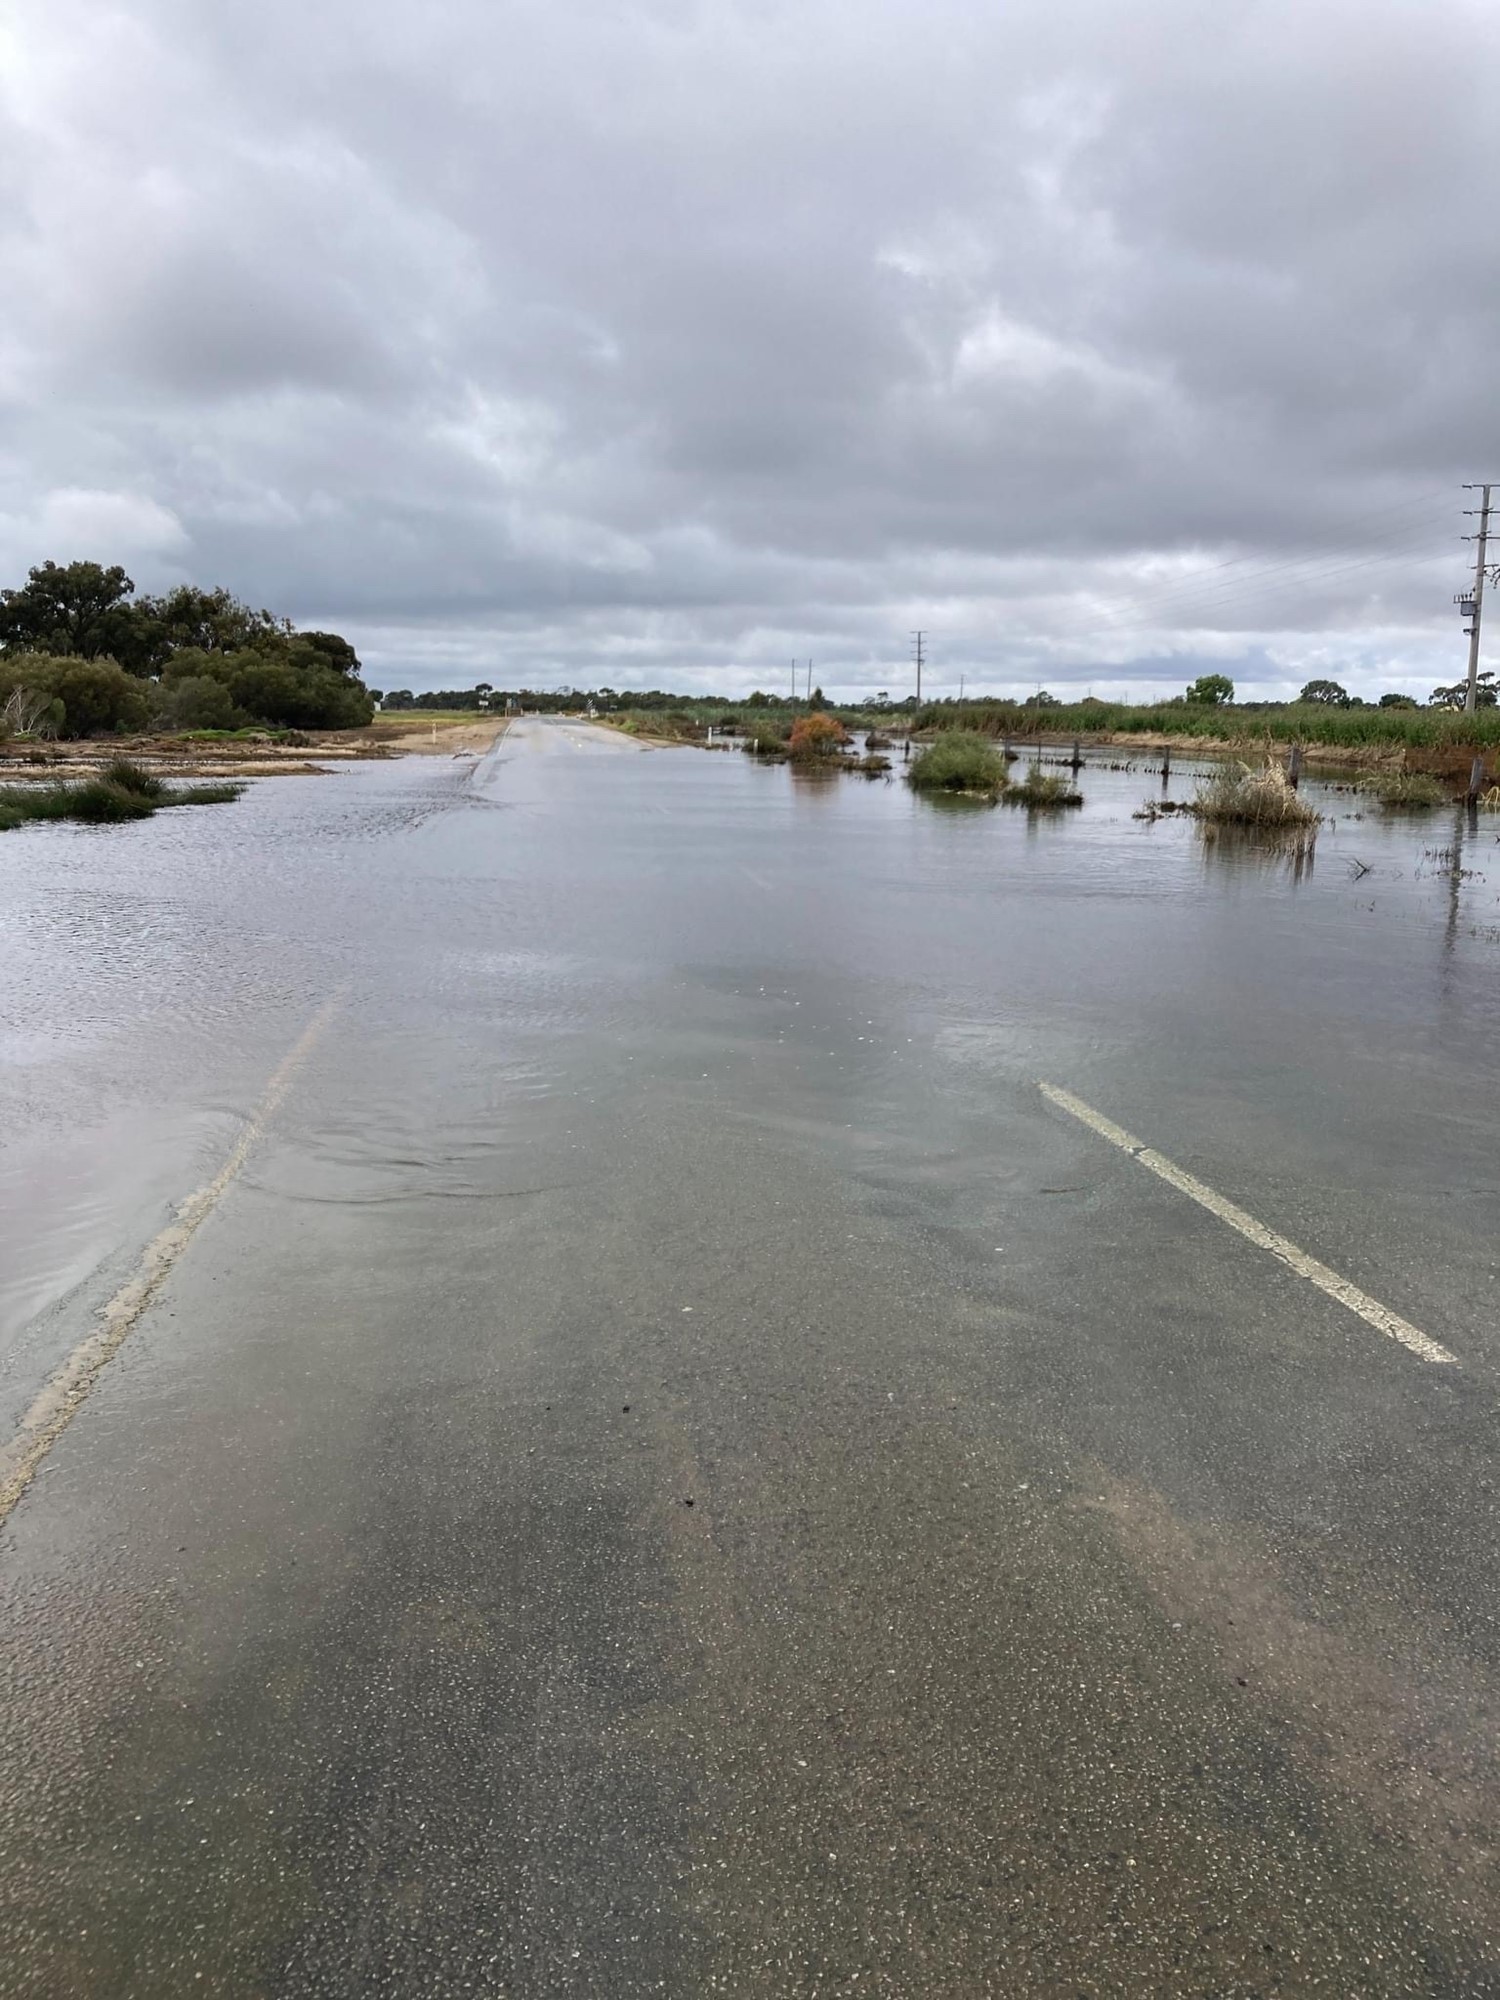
pixel 1241 796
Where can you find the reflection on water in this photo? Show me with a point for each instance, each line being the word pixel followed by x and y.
pixel 1288 850
pixel 518 938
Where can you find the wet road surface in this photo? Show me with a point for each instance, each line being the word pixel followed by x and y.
pixel 670 1466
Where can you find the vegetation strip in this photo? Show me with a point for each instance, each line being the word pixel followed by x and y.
pixel 1370 1310
pixel 121 791
pixel 62 1398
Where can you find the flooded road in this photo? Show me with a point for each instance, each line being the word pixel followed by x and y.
pixel 671 1466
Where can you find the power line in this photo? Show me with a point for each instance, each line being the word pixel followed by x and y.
pixel 1193 600
pixel 1293 569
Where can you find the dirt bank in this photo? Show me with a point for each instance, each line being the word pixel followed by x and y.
pixel 308 753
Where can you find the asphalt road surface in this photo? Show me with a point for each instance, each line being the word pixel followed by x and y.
pixel 608 1437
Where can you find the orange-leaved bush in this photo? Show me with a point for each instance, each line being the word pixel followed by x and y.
pixel 816 736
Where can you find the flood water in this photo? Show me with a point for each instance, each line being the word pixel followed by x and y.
pixel 693 905
pixel 673 1467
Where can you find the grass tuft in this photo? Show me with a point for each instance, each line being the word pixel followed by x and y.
pixel 1042 791
pixel 128 776
pixel 1411 791
pixel 959 761
pixel 203 795
pixel 1240 796
pixel 121 792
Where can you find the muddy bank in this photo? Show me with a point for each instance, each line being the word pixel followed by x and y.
pixel 300 753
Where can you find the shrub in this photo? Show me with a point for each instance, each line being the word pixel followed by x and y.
pixel 194 701
pixel 96 697
pixel 959 761
pixel 816 737
pixel 1240 796
pixel 765 736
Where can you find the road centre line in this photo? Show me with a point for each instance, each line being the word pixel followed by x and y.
pixel 56 1405
pixel 1370 1310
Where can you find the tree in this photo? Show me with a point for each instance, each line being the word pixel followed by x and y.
pixel 195 701
pixel 1329 693
pixel 1396 701
pixel 1457 695
pixel 1041 699
pixel 76 608
pixel 204 621
pixel 815 700
pixel 96 696
pixel 1212 690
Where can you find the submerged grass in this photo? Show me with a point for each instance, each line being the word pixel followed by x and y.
pixel 1042 791
pixel 122 791
pixel 1411 791
pixel 1240 796
pixel 959 760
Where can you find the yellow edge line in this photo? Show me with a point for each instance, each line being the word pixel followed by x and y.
pixel 1370 1310
pixel 60 1400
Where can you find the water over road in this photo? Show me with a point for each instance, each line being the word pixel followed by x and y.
pixel 668 1464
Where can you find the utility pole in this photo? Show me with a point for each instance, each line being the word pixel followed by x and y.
pixel 961 680
pixel 919 655
pixel 1474 605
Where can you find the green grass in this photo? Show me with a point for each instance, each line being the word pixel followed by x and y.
pixel 128 776
pixel 1409 791
pixel 671 725
pixel 203 795
pixel 959 761
pixel 121 792
pixel 1290 722
pixel 766 736
pixel 1042 791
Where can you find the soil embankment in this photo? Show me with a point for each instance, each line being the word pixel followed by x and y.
pixel 295 753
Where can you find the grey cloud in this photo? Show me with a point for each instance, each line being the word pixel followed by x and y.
pixel 661 342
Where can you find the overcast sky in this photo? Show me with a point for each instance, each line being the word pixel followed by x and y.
pixel 611 341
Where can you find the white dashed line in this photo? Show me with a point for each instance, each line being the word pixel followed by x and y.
pixel 1370 1310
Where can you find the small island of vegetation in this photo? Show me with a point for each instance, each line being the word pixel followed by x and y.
pixel 121 791
pixel 960 762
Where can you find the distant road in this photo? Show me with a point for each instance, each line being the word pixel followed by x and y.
pixel 556 735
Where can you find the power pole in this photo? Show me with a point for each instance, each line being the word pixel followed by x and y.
pixel 1474 605
pixel 919 639
pixel 961 680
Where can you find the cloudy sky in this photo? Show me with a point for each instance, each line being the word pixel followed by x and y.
pixel 660 342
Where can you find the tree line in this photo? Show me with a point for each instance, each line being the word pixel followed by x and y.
pixel 82 655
